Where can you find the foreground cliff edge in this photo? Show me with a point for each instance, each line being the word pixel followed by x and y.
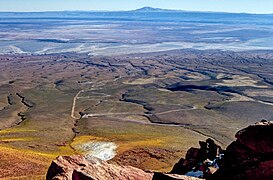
pixel 249 157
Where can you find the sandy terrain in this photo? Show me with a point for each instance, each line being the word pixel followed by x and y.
pixel 142 81
pixel 238 80
pixel 267 93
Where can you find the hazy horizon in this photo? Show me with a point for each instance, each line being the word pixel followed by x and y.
pixel 230 6
pixel 127 10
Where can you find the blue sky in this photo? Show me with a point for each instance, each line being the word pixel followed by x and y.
pixel 249 6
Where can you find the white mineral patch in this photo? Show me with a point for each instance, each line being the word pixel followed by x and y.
pixel 102 150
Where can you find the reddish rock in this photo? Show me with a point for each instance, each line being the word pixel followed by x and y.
pixel 185 165
pixel 78 168
pixel 250 156
pixel 258 137
pixel 196 159
pixel 66 167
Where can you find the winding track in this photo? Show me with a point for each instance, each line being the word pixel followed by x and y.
pixel 109 114
pixel 74 104
pixel 148 122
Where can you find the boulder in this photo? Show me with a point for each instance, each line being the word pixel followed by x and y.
pixel 258 137
pixel 250 156
pixel 78 168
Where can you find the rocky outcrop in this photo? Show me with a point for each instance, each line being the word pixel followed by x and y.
pixel 251 155
pixel 78 168
pixel 200 162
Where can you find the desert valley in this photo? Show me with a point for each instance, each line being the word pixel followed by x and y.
pixel 134 88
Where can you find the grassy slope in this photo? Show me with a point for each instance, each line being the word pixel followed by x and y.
pixel 130 136
pixel 43 136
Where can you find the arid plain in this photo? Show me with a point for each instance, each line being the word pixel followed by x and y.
pixel 144 110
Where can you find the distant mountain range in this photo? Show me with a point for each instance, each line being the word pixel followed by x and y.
pixel 140 11
pixel 151 9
